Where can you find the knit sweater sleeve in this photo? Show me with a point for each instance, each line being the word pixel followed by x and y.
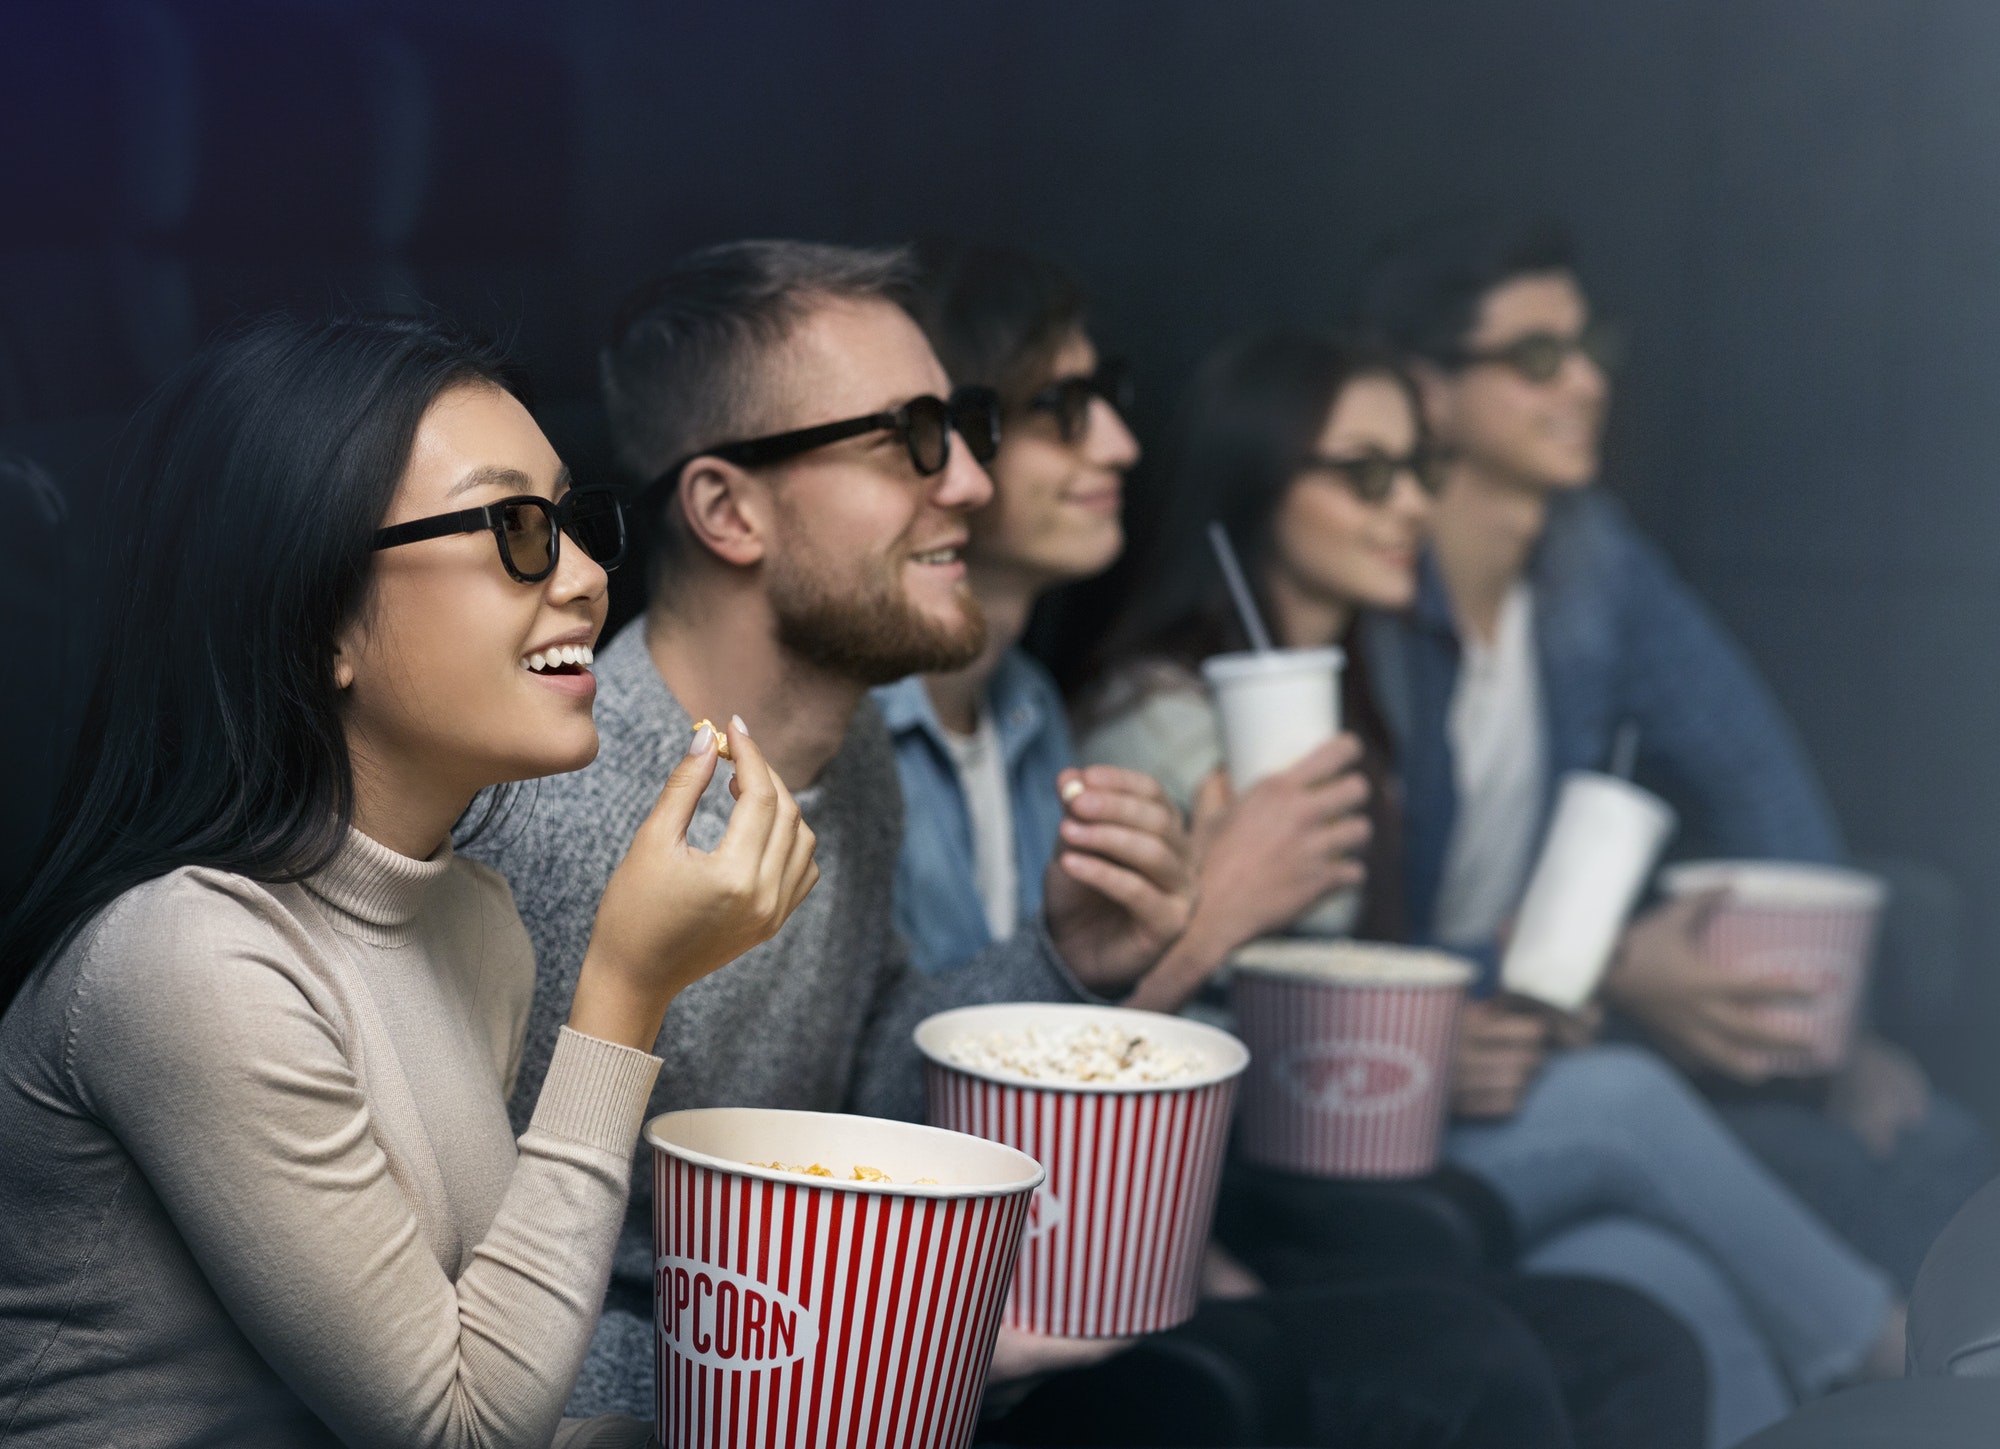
pixel 197 1038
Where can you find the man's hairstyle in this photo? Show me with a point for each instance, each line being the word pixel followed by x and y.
pixel 1422 292
pixel 685 367
pixel 995 315
pixel 682 369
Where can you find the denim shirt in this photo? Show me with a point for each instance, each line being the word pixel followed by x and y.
pixel 938 909
pixel 1618 637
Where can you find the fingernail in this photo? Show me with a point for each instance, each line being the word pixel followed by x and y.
pixel 1071 789
pixel 741 728
pixel 703 741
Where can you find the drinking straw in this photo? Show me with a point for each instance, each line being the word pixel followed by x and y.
pixel 1239 589
pixel 1625 749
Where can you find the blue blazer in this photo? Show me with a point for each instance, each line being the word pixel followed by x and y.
pixel 1618 637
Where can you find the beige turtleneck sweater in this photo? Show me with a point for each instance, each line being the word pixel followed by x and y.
pixel 257 1183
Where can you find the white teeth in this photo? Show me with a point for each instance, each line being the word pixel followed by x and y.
pixel 558 657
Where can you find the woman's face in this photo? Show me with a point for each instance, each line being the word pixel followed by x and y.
pixel 1054 514
pixel 436 672
pixel 1331 544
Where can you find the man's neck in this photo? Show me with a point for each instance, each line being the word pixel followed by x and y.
pixel 1006 598
pixel 1483 532
pixel 718 651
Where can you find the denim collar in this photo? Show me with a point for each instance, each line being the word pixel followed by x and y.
pixel 1011 697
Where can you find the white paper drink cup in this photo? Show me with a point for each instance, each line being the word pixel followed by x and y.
pixel 803 1310
pixel 1278 706
pixel 1809 929
pixel 1115 1239
pixel 1350 1054
pixel 1601 845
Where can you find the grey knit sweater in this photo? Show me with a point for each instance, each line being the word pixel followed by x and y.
pixel 817 1018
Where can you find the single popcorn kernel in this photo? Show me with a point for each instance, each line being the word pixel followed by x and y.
pixel 869 1174
pixel 721 742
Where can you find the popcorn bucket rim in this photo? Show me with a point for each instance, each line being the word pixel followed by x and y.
pixel 1234 1055
pixel 1030 1181
pixel 1455 972
pixel 1827 887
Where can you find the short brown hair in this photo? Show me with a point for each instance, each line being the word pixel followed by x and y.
pixel 684 366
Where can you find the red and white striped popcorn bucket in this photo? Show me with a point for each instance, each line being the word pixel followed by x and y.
pixel 1806 929
pixel 1116 1236
pixel 1351 1047
pixel 794 1310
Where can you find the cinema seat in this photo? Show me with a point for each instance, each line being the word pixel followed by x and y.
pixel 1902 1414
pixel 1955 1307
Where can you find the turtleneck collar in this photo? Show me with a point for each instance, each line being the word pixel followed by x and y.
pixel 374 892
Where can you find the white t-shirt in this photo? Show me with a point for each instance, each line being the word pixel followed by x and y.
pixel 1498 765
pixel 982 778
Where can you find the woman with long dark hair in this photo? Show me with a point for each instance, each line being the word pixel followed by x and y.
pixel 1312 454
pixel 259 1020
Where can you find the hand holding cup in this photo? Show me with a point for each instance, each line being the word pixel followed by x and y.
pixel 1501 1048
pixel 1268 854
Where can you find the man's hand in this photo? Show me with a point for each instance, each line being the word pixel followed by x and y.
pixel 1879 1094
pixel 1019 1355
pixel 1122 887
pixel 1702 1015
pixel 1224 1275
pixel 1501 1046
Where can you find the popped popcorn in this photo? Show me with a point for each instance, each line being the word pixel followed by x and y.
pixel 862 1172
pixel 1096 1054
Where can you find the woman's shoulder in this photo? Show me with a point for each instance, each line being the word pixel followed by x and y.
pixel 197 951
pixel 1155 716
pixel 192 908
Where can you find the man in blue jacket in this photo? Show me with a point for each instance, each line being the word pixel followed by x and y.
pixel 1546 628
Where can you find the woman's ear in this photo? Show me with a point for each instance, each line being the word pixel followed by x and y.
pixel 726 510
pixel 343 667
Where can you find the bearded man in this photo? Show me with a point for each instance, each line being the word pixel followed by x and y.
pixel 813 472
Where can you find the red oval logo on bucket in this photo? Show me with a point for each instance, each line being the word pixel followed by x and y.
pixel 724 1320
pixel 1353 1076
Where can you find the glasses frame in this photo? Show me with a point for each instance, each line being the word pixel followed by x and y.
pixel 1067 399
pixel 962 405
pixel 492 518
pixel 1602 342
pixel 1423 465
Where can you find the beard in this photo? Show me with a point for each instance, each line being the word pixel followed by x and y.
pixel 869 631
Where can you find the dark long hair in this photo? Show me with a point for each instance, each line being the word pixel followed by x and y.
pixel 253 485
pixel 1250 418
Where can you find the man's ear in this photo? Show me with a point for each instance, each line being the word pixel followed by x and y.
pixel 1437 395
pixel 726 510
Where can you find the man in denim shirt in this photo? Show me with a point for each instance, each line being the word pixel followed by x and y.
pixel 946 905
pixel 1545 626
